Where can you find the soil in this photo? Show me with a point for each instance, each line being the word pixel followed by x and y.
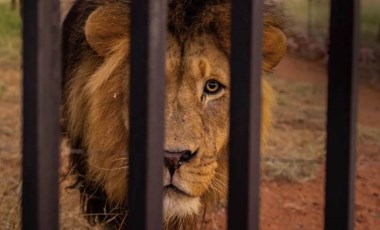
pixel 285 203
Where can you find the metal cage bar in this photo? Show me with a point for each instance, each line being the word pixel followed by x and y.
pixel 341 122
pixel 41 103
pixel 148 27
pixel 244 156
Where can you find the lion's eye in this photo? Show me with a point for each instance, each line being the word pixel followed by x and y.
pixel 212 87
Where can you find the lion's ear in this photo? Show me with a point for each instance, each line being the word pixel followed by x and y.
pixel 274 47
pixel 274 40
pixel 106 27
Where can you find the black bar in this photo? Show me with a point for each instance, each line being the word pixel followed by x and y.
pixel 147 93
pixel 341 122
pixel 244 157
pixel 41 102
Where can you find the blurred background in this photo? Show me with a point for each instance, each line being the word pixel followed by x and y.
pixel 294 159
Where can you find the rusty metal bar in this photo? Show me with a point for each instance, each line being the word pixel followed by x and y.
pixel 341 122
pixel 41 102
pixel 244 156
pixel 147 113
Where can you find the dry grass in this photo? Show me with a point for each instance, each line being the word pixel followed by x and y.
pixel 369 135
pixel 296 146
pixel 10 126
pixel 10 149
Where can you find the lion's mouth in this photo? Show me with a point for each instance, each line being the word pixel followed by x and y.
pixel 173 188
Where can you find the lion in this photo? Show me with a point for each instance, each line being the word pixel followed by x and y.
pixel 96 58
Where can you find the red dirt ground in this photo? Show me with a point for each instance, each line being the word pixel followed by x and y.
pixel 300 206
pixel 290 206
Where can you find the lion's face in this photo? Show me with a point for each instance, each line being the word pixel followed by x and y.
pixel 196 109
pixel 196 123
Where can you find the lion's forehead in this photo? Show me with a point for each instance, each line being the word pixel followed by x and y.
pixel 194 61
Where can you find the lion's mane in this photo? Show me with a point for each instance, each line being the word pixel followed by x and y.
pixel 82 98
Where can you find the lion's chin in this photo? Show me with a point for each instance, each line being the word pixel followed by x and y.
pixel 178 205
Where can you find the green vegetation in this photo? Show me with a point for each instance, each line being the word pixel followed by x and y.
pixel 298 12
pixel 10 36
pixel 370 20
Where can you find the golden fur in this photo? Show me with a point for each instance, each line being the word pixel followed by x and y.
pixel 95 103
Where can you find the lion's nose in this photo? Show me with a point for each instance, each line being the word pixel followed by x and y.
pixel 174 160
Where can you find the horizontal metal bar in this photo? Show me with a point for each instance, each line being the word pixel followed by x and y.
pixel 41 103
pixel 341 120
pixel 147 91
pixel 244 152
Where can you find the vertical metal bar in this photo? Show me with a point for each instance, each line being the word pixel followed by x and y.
pixel 341 123
pixel 244 157
pixel 41 102
pixel 147 113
